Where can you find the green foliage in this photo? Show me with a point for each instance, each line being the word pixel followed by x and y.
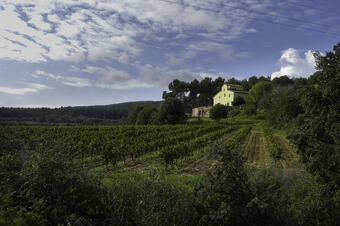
pixel 274 149
pixel 249 109
pixel 194 94
pixel 318 136
pixel 238 101
pixel 149 199
pixel 146 115
pixel 282 81
pixel 258 91
pixel 219 111
pixel 171 112
pixel 66 193
pixel 283 105
pixel 46 188
pixel 199 139
pixel 224 199
pixel 48 191
pixel 234 111
pixel 132 118
pixel 106 114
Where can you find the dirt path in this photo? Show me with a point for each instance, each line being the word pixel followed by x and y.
pixel 289 156
pixel 255 151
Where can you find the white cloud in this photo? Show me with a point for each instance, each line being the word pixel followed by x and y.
pixel 104 30
pixel 294 65
pixel 31 88
pixel 112 78
pixel 17 91
pixel 161 76
pixel 69 81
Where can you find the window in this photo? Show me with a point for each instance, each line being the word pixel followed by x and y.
pixel 229 95
pixel 224 95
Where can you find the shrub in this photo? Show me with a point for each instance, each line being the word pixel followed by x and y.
pixel 219 111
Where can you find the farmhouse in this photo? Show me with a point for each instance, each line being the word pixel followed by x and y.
pixel 203 112
pixel 228 94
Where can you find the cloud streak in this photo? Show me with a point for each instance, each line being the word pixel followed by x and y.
pixel 68 81
pixel 31 88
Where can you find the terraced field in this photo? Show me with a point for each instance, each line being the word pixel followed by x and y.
pixel 256 153
pixel 289 156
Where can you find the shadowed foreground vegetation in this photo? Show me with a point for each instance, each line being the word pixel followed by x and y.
pixel 48 189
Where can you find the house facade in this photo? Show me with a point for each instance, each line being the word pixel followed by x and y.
pixel 228 94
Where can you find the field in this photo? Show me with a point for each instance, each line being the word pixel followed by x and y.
pixel 186 149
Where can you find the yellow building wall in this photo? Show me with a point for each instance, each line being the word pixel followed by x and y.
pixel 226 97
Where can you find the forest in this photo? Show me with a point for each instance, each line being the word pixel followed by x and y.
pixel 273 160
pixel 82 115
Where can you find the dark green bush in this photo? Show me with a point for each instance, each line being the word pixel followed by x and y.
pixel 219 111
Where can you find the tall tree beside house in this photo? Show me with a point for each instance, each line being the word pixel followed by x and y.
pixel 238 101
pixel 258 91
pixel 171 112
pixel 318 136
pixel 146 116
pixel 194 94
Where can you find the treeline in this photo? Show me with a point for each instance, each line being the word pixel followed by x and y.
pixel 106 114
pixel 182 97
pixel 200 93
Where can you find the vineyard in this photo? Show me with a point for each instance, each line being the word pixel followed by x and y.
pixel 117 145
pixel 113 144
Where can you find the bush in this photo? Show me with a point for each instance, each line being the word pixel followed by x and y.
pixel 146 116
pixel 234 111
pixel 250 109
pixel 224 198
pixel 149 199
pixel 238 101
pixel 219 111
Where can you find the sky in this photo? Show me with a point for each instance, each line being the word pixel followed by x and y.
pixel 94 52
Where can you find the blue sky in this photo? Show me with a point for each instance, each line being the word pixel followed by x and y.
pixel 92 52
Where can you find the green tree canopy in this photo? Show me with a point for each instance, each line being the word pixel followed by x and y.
pixel 318 137
pixel 146 116
pixel 134 113
pixel 238 101
pixel 258 90
pixel 171 112
pixel 219 111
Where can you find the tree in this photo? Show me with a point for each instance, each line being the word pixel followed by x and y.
pixel 171 112
pixel 226 196
pixel 258 90
pixel 219 111
pixel 146 116
pixel 318 137
pixel 282 81
pixel 134 113
pixel 238 101
pixel 178 89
